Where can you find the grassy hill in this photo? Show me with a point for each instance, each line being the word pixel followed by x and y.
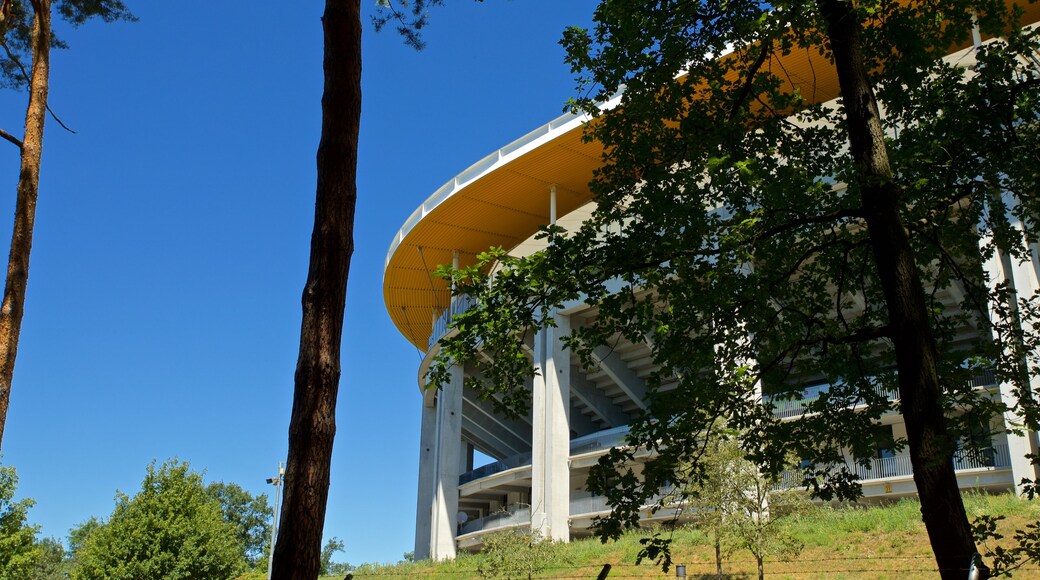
pixel 886 542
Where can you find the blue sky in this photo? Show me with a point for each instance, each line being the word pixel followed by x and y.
pixel 172 235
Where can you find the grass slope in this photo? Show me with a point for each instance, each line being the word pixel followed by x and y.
pixel 887 542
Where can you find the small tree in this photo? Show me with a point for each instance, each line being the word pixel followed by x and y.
pixel 328 551
pixel 18 549
pixel 729 498
pixel 757 514
pixel 515 554
pixel 251 517
pixel 171 529
pixel 712 494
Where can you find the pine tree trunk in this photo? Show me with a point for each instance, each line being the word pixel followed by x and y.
pixel 13 306
pixel 930 442
pixel 312 427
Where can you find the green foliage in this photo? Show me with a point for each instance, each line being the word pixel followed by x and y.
pixel 52 561
pixel 409 16
pixel 1006 560
pixel 730 234
pixel 172 528
pixel 516 554
pixel 903 516
pixel 79 535
pixel 251 517
pixel 16 32
pixel 728 497
pixel 18 550
pixel 328 551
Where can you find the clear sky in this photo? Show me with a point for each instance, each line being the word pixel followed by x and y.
pixel 172 235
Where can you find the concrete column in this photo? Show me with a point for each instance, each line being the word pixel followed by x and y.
pixel 550 441
pixel 1022 276
pixel 424 499
pixel 466 458
pixel 448 460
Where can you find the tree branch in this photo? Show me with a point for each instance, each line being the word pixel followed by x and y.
pixel 11 138
pixel 25 74
pixel 745 90
pixel 808 220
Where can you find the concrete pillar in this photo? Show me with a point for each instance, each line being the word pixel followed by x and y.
pixel 550 441
pixel 466 458
pixel 427 459
pixel 1023 277
pixel 448 461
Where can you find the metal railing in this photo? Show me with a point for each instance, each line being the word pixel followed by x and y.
pixel 996 456
pixel 600 440
pixel 458 305
pixel 993 457
pixel 597 441
pixel 504 464
pixel 517 516
pixel 589 505
pixel 793 403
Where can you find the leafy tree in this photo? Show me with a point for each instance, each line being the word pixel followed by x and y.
pixel 18 550
pixel 52 561
pixel 26 37
pixel 170 529
pixel 761 238
pixel 328 551
pixel 251 517
pixel 711 495
pixel 515 554
pixel 757 521
pixel 79 535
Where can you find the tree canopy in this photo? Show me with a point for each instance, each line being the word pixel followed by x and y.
pixel 18 549
pixel 250 516
pixel 172 528
pixel 757 239
pixel 16 31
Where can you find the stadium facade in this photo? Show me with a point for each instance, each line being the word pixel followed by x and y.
pixel 542 460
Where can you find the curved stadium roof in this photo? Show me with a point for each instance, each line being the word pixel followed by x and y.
pixel 503 199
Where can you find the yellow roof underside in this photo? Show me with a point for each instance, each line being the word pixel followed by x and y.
pixel 507 204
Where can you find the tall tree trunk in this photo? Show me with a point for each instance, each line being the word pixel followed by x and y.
pixel 930 442
pixel 25 205
pixel 312 427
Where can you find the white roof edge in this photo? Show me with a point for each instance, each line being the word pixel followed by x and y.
pixel 543 134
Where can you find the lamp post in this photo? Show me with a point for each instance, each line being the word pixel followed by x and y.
pixel 276 481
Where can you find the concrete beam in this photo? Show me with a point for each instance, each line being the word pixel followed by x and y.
pixel 580 423
pixel 585 391
pixel 624 377
pixel 483 441
pixel 472 394
pixel 506 434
